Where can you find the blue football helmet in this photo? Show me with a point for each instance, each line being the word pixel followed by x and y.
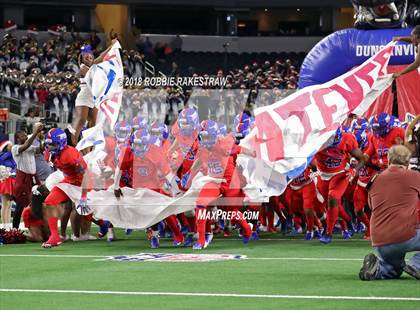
pixel 395 122
pixel 140 142
pixel 337 137
pixel 122 131
pixel 208 134
pixel 159 130
pixel 139 122
pixel 58 138
pixel 222 129
pixel 242 125
pixel 188 121
pixel 381 124
pixel 362 138
pixel 361 124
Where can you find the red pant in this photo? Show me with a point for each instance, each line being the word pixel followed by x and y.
pixel 22 188
pixel 304 197
pixel 55 197
pixel 335 187
pixel 360 198
pixel 210 193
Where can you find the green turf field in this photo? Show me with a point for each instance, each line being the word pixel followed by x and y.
pixel 279 273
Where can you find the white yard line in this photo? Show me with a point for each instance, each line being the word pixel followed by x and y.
pixel 189 294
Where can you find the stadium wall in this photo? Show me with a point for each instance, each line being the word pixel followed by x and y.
pixel 194 43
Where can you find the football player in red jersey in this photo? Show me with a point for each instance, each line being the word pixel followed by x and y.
pixel 215 158
pixel 70 161
pixel 151 170
pixel 185 145
pixel 331 163
pixel 303 196
pixel 364 138
pixel 384 137
pixel 185 132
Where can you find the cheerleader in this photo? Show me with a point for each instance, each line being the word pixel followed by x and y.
pixel 7 179
pixel 85 106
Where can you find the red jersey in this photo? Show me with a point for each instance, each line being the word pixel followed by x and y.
pixel 187 144
pixel 110 147
pixel 303 179
pixel 149 171
pixel 366 172
pixel 124 160
pixel 380 146
pixel 334 159
pixel 67 161
pixel 219 162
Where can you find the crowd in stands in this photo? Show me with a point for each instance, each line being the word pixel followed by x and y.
pixel 44 75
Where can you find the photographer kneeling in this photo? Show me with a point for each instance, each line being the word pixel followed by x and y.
pixel 394 198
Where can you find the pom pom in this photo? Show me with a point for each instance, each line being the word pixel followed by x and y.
pixel 12 236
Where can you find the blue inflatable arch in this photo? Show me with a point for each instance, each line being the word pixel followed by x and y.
pixel 341 51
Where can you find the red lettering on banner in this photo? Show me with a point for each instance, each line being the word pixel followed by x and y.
pixel 296 107
pixel 363 73
pixel 326 111
pixel 355 95
pixel 269 134
pixel 382 60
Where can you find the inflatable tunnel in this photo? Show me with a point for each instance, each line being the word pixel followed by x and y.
pixel 345 49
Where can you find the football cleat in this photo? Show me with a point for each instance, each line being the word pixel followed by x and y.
pixel 197 246
pixel 189 240
pixel 346 235
pixel 209 238
pixel 325 239
pixel 360 228
pixel 350 228
pixel 255 236
pixel 176 243
pixel 317 234
pixel 296 231
pixel 309 235
pixel 111 235
pixel 103 229
pixel 51 243
pixel 154 242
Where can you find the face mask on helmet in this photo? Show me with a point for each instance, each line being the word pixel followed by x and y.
pixel 139 122
pixel 362 138
pixel 122 131
pixel 159 130
pixel 361 124
pixel 380 13
pixel 188 121
pixel 335 140
pixel 208 134
pixel 222 130
pixel 140 143
pixel 241 126
pixel 381 124
pixel 56 141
